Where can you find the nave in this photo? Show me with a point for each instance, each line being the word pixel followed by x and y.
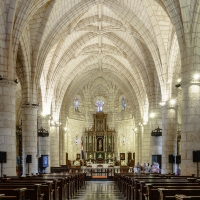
pixel 99 190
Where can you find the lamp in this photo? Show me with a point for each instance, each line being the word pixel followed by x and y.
pixel 42 132
pixel 135 129
pixel 172 102
pixel 16 80
pixel 157 132
pixel 152 115
pixel 162 103
pixel 196 76
pixel 65 129
pixel 123 140
pixel 76 141
pixel 178 85
pixel 34 104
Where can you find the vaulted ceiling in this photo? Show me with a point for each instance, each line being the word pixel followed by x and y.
pixel 67 45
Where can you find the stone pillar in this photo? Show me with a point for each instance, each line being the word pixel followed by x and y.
pixel 155 141
pixel 140 147
pixel 169 132
pixel 65 145
pixel 29 138
pixel 190 129
pixel 8 125
pixel 54 144
pixel 137 147
pixel 146 134
pixel 44 142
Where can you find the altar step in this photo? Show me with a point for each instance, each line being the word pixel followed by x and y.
pixel 100 178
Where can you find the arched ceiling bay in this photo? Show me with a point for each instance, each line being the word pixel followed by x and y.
pixel 74 42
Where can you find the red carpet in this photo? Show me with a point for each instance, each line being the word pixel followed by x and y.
pixel 99 176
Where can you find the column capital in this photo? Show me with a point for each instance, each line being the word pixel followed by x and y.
pixel 168 107
pixel 187 83
pixel 27 105
pixel 7 82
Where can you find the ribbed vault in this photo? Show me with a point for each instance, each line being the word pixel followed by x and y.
pixel 66 45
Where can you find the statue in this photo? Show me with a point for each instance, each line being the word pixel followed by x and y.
pixel 100 145
pixel 76 104
pixel 123 103
pixel 100 156
pixel 99 105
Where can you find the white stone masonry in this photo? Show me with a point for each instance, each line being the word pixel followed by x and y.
pixel 29 138
pixel 169 124
pixel 7 125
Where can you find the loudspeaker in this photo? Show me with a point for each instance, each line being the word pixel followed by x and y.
pixel 171 158
pixel 29 159
pixel 2 157
pixel 196 156
pixel 43 161
pixel 178 159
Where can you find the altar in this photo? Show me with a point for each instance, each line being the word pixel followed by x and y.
pixel 100 141
pixel 102 166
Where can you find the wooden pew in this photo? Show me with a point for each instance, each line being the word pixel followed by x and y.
pixel 167 194
pixel 184 197
pixel 73 182
pixel 18 194
pixel 33 192
pixel 127 185
pixel 61 183
pixel 153 193
pixel 67 183
pixel 46 186
pixel 153 180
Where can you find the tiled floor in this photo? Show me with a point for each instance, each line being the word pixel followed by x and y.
pixel 99 190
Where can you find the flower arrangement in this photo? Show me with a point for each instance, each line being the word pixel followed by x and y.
pixel 123 163
pixel 76 163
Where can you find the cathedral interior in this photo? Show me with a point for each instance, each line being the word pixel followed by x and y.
pixel 64 63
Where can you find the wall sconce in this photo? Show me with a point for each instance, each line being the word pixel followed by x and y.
pixel 144 123
pixel 162 103
pixel 172 102
pixel 52 123
pixel 157 132
pixel 76 141
pixel 135 129
pixel 196 76
pixel 66 129
pixel 42 132
pixel 178 83
pixel 152 115
pixel 16 81
pixel 123 140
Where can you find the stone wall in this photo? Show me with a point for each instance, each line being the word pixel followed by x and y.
pixel 76 128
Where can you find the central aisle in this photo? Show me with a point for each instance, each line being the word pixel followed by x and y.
pixel 99 190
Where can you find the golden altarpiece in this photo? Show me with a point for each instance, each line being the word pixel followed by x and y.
pixel 99 140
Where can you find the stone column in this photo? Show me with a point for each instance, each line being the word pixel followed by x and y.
pixel 137 147
pixel 190 129
pixel 169 130
pixel 29 137
pixel 140 147
pixel 65 146
pixel 44 142
pixel 54 146
pixel 8 125
pixel 146 134
pixel 155 141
